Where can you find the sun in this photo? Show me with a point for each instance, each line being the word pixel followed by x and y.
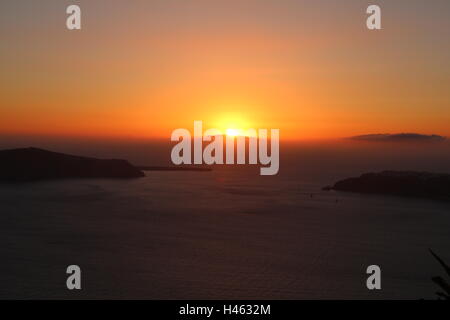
pixel 232 132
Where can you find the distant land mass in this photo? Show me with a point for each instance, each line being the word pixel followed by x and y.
pixel 31 164
pixel 173 168
pixel 398 137
pixel 400 183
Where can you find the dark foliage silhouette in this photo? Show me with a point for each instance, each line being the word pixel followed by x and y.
pixel 441 282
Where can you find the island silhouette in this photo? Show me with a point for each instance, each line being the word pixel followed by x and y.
pixel 31 164
pixel 34 164
pixel 398 183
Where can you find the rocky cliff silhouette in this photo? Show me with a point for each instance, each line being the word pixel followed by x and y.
pixel 400 183
pixel 31 164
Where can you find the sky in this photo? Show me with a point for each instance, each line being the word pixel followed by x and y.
pixel 140 69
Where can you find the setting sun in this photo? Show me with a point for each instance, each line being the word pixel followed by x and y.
pixel 232 132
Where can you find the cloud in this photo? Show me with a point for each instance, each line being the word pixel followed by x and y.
pixel 398 137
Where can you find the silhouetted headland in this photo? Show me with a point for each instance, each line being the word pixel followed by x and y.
pixel 31 164
pixel 400 183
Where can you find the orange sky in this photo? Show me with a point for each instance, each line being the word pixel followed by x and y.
pixel 309 68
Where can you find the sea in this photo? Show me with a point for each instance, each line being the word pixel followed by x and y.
pixel 228 233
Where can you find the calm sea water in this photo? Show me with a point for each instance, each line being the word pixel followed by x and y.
pixel 215 235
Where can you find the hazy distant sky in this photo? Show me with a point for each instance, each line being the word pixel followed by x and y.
pixel 144 68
